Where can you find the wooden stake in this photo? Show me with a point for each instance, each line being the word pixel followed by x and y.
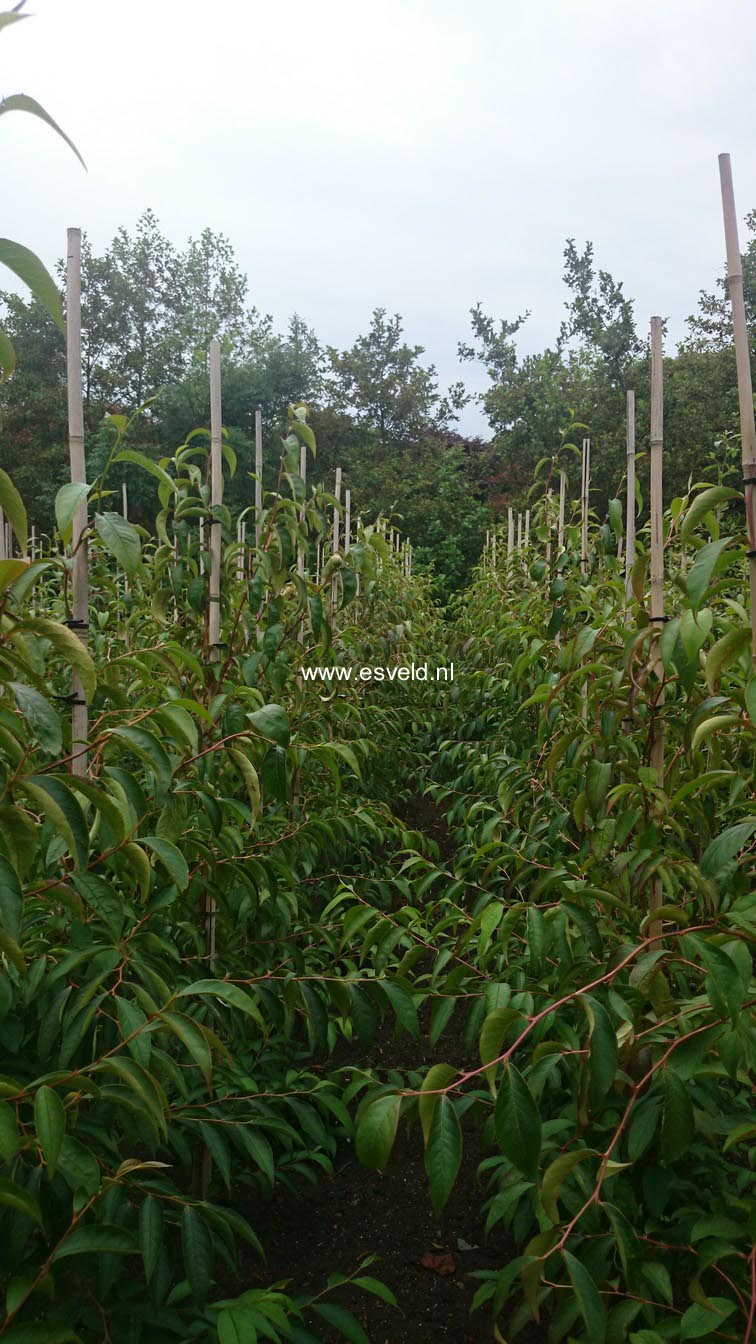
pixel 519 531
pixel 347 521
pixel 547 516
pixel 656 441
pixel 336 523
pixel 80 576
pixel 630 510
pixel 300 548
pixel 216 499
pixel 745 388
pixel 258 475
pixel 560 522
pixel 584 495
pixel 510 533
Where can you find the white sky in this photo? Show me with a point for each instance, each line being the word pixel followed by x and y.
pixel 420 155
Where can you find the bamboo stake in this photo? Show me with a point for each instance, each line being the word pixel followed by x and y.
pixel 510 533
pixel 547 513
pixel 80 576
pixel 3 548
pixel 335 549
pixel 745 388
pixel 656 441
pixel 347 522
pixel 560 522
pixel 216 499
pixel 584 494
pixel 519 531
pixel 300 548
pixel 33 543
pixel 201 546
pixel 258 475
pixel 630 511
pixel 527 529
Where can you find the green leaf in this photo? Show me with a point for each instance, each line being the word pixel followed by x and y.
pixel 25 264
pixel 403 1004
pixel 146 463
pixel 149 749
pixel 50 1124
pixel 68 500
pixel 10 1137
pixel 700 1322
pixel 197 1248
pixel 342 1320
pixel 703 504
pixel 21 102
pixel 437 1077
pixel 7 356
pixel 150 1234
pixel 14 1196
pixel 70 648
pixel 251 779
pixel 443 1152
pixel 192 1039
pixel 10 571
pixel 677 1117
pixel 374 1286
pixel 603 1053
pixel 61 808
pixel 700 574
pixel 13 507
pixel 555 1175
pixel 588 1298
pixel 171 858
pixel 227 993
pixel 724 848
pixel 11 899
pixel 376 1131
pixel 40 716
pixel 132 1020
pixel 270 721
pixel 517 1122
pixel 237 1325
pixel 97 1239
pixel 24 1333
pixel 79 1167
pixel 493 1031
pixel 121 538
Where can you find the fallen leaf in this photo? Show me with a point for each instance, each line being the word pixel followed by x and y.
pixel 442 1264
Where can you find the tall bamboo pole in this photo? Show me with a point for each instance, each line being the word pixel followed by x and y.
pixel 510 533
pixel 519 532
pixel 745 388
pixel 584 496
pixel 336 540
pixel 347 521
pixel 560 522
pixel 258 475
pixel 216 499
pixel 303 477
pixel 210 910
pixel 656 442
pixel 547 517
pixel 630 510
pixel 80 576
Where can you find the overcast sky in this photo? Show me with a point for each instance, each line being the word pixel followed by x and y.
pixel 419 155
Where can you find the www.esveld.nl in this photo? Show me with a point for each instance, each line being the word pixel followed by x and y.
pixel 413 672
